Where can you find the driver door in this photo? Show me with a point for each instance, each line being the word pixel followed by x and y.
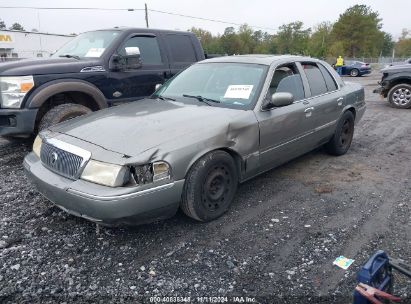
pixel 136 82
pixel 283 129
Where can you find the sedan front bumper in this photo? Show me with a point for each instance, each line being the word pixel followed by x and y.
pixel 109 206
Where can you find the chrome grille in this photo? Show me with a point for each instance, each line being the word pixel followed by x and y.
pixel 60 161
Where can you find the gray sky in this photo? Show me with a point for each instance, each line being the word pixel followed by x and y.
pixel 264 13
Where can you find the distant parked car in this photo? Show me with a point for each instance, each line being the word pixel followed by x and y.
pixel 356 68
pixel 220 122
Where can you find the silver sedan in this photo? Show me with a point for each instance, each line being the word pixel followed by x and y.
pixel 216 124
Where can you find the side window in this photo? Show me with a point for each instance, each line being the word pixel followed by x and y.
pixel 181 48
pixel 329 80
pixel 315 79
pixel 149 49
pixel 287 79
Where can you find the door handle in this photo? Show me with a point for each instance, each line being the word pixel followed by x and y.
pixel 340 101
pixel 308 110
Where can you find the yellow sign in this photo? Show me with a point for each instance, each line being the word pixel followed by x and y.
pixel 5 38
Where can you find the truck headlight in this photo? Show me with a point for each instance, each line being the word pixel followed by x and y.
pixel 150 173
pixel 37 146
pixel 13 89
pixel 105 174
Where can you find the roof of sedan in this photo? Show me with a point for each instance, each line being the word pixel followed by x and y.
pixel 258 59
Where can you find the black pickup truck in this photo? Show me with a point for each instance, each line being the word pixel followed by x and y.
pixel 95 70
pixel 395 85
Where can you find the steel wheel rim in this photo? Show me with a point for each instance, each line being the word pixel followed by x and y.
pixel 216 188
pixel 354 73
pixel 401 96
pixel 346 134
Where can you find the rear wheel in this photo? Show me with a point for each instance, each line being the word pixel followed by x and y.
pixel 62 113
pixel 354 73
pixel 341 141
pixel 210 186
pixel 400 96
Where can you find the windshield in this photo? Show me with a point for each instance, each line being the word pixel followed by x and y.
pixel 233 85
pixel 90 44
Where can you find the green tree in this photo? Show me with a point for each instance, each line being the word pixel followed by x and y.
pixel 230 41
pixel 2 25
pixel 403 46
pixel 247 41
pixel 293 39
pixel 358 32
pixel 387 45
pixel 17 27
pixel 319 42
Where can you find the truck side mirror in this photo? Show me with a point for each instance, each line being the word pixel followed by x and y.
pixel 115 63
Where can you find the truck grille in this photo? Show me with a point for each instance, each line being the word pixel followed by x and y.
pixel 60 161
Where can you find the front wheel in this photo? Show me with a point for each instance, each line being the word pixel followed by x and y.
pixel 341 141
pixel 210 186
pixel 400 96
pixel 62 113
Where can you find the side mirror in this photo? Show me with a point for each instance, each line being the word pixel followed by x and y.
pixel 279 99
pixel 115 63
pixel 158 85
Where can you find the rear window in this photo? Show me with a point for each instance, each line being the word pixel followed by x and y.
pixel 329 80
pixel 315 79
pixel 181 48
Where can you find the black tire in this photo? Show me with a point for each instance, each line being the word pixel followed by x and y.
pixel 399 96
pixel 341 141
pixel 355 73
pixel 62 113
pixel 210 186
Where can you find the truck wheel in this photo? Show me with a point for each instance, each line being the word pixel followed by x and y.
pixel 354 73
pixel 400 96
pixel 62 113
pixel 210 187
pixel 341 141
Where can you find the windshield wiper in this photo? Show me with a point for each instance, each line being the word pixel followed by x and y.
pixel 164 98
pixel 202 99
pixel 70 56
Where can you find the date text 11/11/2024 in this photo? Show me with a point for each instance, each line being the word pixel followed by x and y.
pixel 202 299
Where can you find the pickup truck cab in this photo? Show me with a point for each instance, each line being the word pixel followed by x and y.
pixel 95 70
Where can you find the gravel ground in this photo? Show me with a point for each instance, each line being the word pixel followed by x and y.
pixel 275 245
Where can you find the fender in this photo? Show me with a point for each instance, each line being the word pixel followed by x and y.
pixel 45 91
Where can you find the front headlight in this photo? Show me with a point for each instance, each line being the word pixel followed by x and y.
pixel 13 90
pixel 150 173
pixel 105 174
pixel 37 146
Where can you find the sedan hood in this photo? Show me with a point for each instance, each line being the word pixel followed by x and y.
pixel 137 127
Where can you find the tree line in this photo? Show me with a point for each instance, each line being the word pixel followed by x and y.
pixel 357 33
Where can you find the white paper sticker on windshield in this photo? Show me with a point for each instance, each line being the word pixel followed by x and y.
pixel 238 91
pixel 95 52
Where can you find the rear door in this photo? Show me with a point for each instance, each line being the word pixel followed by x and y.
pixel 181 51
pixel 326 100
pixel 131 84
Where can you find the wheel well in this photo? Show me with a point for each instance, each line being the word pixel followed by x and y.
pixel 399 81
pixel 67 97
pixel 352 110
pixel 237 159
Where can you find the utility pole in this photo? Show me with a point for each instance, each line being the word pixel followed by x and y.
pixel 145 6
